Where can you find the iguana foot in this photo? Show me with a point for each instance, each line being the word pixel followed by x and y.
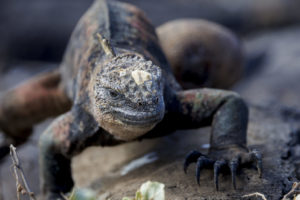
pixel 231 158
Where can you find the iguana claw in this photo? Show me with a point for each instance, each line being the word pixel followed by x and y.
pixel 219 164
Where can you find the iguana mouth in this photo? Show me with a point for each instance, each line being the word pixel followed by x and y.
pixel 138 118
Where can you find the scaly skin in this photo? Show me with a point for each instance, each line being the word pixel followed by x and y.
pixel 128 92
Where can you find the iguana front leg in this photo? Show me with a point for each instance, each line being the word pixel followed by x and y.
pixel 55 162
pixel 228 115
pixel 66 137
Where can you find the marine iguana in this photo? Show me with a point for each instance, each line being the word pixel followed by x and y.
pixel 115 85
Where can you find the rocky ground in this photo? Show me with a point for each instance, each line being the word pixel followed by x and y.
pixel 270 87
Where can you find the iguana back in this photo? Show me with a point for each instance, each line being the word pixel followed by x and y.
pixel 125 26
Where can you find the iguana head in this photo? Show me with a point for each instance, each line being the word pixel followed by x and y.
pixel 127 96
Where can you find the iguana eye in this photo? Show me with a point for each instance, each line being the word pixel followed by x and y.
pixel 113 94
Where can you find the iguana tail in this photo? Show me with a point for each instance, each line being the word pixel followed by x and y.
pixel 29 103
pixel 201 53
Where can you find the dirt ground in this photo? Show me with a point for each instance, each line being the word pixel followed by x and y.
pixel 270 87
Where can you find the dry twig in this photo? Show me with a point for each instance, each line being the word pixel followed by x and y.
pixel 255 194
pixel 294 191
pixel 65 197
pixel 17 169
pixel 290 195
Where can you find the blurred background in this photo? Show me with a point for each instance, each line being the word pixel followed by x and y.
pixel 38 30
pixel 34 34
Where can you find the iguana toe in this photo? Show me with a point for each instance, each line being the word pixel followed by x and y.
pixel 218 165
pixel 202 162
pixel 257 157
pixel 191 158
pixel 233 165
